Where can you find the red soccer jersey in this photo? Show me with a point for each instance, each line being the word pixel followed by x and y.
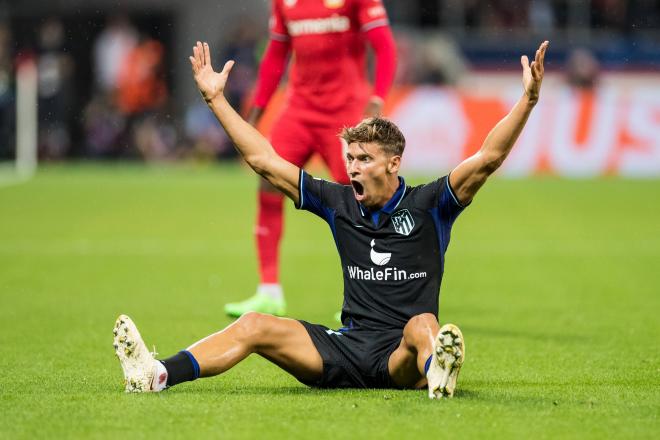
pixel 328 74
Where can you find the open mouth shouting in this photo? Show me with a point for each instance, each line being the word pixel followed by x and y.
pixel 358 190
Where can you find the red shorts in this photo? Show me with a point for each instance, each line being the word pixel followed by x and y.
pixel 296 141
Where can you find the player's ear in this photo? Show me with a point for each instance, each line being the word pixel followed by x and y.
pixel 393 164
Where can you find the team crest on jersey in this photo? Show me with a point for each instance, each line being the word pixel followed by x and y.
pixel 290 3
pixel 333 4
pixel 403 222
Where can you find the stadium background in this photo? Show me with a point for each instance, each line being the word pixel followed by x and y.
pixel 139 206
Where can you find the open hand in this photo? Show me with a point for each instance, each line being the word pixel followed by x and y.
pixel 533 74
pixel 211 84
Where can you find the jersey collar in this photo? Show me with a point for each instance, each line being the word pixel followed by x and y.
pixel 389 206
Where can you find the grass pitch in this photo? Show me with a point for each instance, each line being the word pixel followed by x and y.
pixel 555 284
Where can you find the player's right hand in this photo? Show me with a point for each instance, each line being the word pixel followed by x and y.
pixel 211 84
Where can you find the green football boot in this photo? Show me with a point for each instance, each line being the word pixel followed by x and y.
pixel 260 302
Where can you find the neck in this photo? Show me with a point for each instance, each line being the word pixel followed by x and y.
pixel 389 188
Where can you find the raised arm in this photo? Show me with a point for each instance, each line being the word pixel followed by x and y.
pixel 471 174
pixel 254 148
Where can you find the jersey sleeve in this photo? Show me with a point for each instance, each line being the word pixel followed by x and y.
pixel 440 197
pixel 371 14
pixel 277 25
pixel 318 196
pixel 448 203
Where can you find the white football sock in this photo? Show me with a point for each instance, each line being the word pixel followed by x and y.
pixel 272 290
pixel 160 378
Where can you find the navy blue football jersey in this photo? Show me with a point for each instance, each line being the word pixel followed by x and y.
pixel 392 259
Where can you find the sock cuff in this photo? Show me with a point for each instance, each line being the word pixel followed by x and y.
pixel 428 365
pixel 194 362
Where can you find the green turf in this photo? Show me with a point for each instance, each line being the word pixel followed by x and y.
pixel 556 285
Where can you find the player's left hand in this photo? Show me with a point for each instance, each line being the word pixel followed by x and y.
pixel 533 74
pixel 374 107
pixel 210 83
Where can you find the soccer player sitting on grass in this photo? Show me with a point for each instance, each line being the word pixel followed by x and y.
pixel 391 239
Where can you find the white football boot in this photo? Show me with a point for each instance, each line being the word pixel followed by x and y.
pixel 448 356
pixel 140 367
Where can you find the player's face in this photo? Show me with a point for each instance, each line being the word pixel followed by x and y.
pixel 372 172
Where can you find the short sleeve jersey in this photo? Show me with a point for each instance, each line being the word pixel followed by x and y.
pixel 393 260
pixel 328 74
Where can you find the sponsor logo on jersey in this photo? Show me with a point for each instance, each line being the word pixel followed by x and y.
pixel 403 222
pixel 376 11
pixel 381 259
pixel 290 3
pixel 333 4
pixel 384 274
pixel 315 26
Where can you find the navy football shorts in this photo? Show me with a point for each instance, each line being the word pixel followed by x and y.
pixel 354 358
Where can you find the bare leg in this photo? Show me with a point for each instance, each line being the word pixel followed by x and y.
pixel 406 364
pixel 283 341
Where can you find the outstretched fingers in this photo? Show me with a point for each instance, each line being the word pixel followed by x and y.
pixel 207 54
pixel 542 50
pixel 201 56
pixel 195 59
pixel 227 68
pixel 537 65
pixel 199 53
pixel 525 62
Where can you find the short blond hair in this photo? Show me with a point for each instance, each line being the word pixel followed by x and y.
pixel 378 130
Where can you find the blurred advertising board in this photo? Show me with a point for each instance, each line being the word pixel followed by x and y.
pixel 613 129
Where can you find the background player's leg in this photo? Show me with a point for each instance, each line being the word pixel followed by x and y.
pixel 290 139
pixel 268 232
pixel 407 363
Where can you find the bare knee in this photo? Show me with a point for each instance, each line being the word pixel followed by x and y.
pixel 420 328
pixel 422 320
pixel 252 328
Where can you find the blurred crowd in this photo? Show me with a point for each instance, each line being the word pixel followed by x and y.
pixel 619 15
pixel 128 111
pixel 7 104
pixel 126 108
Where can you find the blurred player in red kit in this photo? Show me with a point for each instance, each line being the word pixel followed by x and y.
pixel 328 90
